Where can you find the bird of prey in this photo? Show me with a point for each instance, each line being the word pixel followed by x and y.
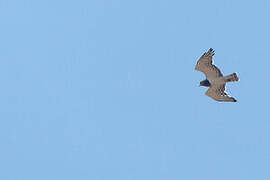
pixel 214 78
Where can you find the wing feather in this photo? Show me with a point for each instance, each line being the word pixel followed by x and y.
pixel 217 92
pixel 205 65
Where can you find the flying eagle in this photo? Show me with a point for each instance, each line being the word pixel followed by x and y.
pixel 214 78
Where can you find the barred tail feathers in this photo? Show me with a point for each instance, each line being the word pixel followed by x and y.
pixel 231 78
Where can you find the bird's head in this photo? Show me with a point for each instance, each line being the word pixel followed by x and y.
pixel 205 83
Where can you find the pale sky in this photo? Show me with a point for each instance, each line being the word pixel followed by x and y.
pixel 106 90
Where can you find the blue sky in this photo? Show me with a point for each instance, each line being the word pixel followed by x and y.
pixel 106 90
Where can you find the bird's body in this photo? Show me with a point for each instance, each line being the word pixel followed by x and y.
pixel 214 78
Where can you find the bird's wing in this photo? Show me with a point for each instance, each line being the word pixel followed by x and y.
pixel 205 65
pixel 217 92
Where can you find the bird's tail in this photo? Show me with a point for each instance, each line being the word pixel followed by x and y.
pixel 232 77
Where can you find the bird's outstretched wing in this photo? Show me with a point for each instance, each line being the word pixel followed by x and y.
pixel 205 65
pixel 217 92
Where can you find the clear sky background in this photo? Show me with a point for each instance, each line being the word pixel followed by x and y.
pixel 106 90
